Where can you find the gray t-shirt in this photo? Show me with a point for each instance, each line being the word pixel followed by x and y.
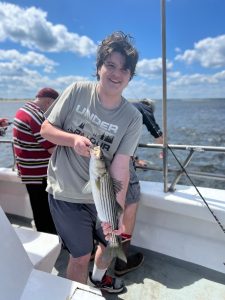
pixel 79 111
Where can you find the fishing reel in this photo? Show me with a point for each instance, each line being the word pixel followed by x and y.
pixel 3 129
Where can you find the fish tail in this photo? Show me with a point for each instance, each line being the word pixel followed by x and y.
pixel 114 251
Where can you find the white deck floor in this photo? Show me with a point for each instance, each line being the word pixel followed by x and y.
pixel 160 278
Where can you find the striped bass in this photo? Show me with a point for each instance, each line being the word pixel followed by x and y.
pixel 104 190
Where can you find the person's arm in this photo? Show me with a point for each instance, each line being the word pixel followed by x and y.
pixel 150 123
pixel 119 170
pixel 57 136
pixel 149 119
pixel 159 140
pixel 50 150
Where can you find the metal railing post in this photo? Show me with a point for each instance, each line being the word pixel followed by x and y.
pixel 165 149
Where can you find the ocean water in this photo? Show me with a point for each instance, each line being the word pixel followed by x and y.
pixel 189 122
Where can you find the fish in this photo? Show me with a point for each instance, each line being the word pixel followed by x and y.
pixel 104 189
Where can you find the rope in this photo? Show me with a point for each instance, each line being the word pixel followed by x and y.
pixel 183 169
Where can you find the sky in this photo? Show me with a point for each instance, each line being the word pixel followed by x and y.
pixel 53 43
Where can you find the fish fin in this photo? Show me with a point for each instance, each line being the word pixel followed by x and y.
pixel 98 223
pixel 98 182
pixel 87 188
pixel 117 185
pixel 121 255
pixel 111 252
pixel 119 210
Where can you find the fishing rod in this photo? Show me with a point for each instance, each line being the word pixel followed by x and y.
pixel 204 200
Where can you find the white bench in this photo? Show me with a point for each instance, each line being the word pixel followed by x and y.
pixel 14 198
pixel 42 248
pixel 179 224
pixel 20 281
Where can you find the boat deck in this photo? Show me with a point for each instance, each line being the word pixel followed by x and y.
pixel 159 278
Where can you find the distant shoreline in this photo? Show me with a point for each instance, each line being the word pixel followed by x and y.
pixel 13 100
pixel 131 100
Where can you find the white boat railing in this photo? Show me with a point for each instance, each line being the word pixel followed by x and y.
pixel 192 149
pixel 179 172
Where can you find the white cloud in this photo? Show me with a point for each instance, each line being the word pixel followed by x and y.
pixel 151 68
pixel 197 85
pixel 31 59
pixel 23 73
pixel 209 52
pixel 140 88
pixel 62 82
pixel 26 83
pixel 197 79
pixel 179 86
pixel 220 76
pixel 30 28
pixel 178 50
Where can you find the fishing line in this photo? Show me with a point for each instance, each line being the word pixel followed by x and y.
pixel 183 169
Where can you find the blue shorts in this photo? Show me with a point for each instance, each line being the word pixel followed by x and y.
pixel 76 225
pixel 133 190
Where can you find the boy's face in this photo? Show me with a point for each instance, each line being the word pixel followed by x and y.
pixel 113 77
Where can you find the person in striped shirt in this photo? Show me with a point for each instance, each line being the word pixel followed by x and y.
pixel 32 153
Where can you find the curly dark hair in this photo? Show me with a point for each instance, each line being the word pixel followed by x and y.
pixel 117 42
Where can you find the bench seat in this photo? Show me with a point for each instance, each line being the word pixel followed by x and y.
pixel 21 281
pixel 42 248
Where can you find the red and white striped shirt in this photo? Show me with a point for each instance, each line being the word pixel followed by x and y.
pixel 30 147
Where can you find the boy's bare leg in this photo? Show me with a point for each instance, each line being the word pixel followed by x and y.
pixel 77 268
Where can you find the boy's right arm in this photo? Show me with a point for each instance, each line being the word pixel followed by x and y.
pixel 60 137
